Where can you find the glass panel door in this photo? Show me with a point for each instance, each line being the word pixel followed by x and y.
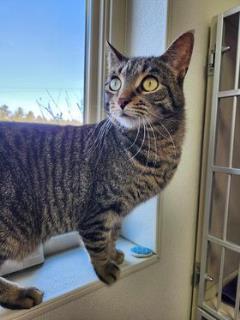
pixel 220 262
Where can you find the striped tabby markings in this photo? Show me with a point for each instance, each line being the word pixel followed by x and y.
pixel 98 242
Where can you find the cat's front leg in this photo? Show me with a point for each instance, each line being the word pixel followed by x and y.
pixel 97 237
pixel 116 254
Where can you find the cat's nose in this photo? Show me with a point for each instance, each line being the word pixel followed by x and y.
pixel 123 102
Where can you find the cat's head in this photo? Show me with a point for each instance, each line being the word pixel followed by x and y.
pixel 144 89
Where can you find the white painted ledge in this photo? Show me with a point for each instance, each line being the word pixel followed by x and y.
pixel 67 276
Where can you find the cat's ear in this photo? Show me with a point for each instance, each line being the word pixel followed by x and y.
pixel 114 57
pixel 178 55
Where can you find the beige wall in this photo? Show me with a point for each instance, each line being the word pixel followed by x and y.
pixel 163 291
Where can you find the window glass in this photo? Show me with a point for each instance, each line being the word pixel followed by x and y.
pixel 219 197
pixel 223 132
pixel 42 45
pixel 42 48
pixel 229 52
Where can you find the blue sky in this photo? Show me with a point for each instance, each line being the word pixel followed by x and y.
pixel 41 47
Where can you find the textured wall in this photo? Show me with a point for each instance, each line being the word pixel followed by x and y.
pixel 146 27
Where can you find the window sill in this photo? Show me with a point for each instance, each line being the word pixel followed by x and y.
pixel 67 276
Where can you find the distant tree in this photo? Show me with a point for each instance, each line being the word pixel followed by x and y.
pixel 5 112
pixel 18 114
pixel 50 112
pixel 30 116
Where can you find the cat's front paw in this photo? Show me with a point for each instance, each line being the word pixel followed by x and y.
pixel 22 298
pixel 108 273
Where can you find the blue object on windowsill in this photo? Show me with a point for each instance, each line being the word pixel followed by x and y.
pixel 141 252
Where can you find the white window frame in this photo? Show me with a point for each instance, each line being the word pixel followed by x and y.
pixel 105 21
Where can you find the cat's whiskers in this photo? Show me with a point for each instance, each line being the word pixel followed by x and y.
pixel 171 138
pixel 106 129
pixel 149 142
pixel 100 136
pixel 155 140
pixel 95 143
pixel 144 135
pixel 134 142
pixel 92 133
pixel 160 118
pixel 168 133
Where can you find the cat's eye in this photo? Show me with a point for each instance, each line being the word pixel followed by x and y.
pixel 115 84
pixel 150 84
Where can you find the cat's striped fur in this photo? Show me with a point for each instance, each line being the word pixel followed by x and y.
pixel 55 179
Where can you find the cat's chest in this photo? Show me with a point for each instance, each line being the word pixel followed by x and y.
pixel 132 181
pixel 130 186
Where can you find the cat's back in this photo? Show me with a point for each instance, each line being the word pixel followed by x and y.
pixel 37 151
pixel 25 130
pixel 23 137
pixel 39 164
pixel 22 143
pixel 17 130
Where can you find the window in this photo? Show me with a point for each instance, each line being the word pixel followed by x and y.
pixel 42 67
pixel 56 68
pixel 42 61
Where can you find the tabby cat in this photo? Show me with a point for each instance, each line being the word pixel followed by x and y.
pixel 55 179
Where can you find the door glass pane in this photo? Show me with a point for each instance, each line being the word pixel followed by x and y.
pixel 223 131
pixel 236 146
pixel 218 204
pixel 213 271
pixel 230 260
pixel 229 45
pixel 230 272
pixel 42 45
pixel 233 231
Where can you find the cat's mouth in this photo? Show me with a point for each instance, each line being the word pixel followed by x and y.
pixel 125 113
pixel 127 119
